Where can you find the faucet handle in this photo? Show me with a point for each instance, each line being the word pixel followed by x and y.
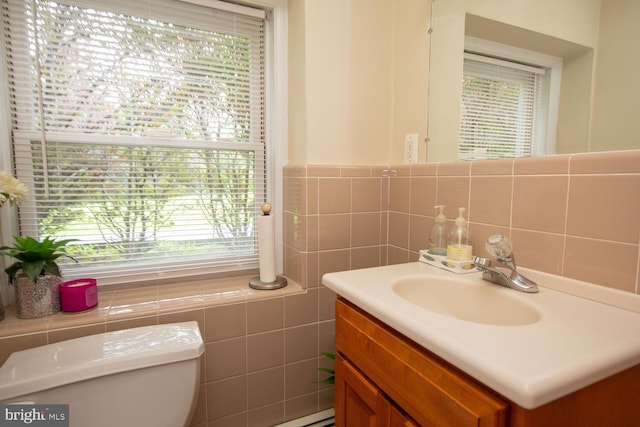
pixel 499 246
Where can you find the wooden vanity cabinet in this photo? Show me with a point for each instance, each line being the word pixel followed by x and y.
pixel 385 379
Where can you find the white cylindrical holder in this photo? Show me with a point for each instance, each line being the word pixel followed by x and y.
pixel 267 253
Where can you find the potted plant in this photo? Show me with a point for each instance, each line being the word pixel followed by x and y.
pixel 36 275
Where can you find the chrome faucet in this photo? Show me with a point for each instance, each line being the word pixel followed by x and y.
pixel 502 270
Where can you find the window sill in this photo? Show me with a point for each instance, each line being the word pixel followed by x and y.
pixel 146 301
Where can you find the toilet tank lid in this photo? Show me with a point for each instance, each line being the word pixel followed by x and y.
pixel 65 362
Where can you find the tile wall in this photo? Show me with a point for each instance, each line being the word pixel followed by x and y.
pixel 572 215
pixel 262 348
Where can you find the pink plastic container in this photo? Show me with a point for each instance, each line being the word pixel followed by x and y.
pixel 79 295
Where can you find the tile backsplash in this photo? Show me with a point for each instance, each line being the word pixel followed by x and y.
pixel 572 215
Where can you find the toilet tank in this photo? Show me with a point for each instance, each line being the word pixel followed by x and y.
pixel 137 377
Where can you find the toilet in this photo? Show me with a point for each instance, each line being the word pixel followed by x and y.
pixel 146 376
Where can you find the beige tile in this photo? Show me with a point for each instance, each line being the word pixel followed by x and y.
pixel 135 322
pixel 237 420
pixel 327 337
pixel 179 297
pixel 365 257
pixel 492 167
pixel 627 161
pixel 266 387
pixel 185 316
pixel 265 315
pixel 397 255
pixel 323 171
pixel 225 321
pixel 540 251
pixel 134 302
pixel 365 229
pixel 267 416
pixel 419 228
pixel 294 171
pixel 294 190
pixel 265 350
pixel 490 200
pixel 366 193
pixel 226 358
pixel 423 195
pixel 226 397
pixel 399 229
pixel 604 207
pixel 312 196
pixel 295 230
pixel 78 332
pixel 401 170
pixel 300 343
pixel 430 169
pixel 325 399
pixel 301 378
pixel 600 262
pixel 355 171
pixel 539 203
pixel 453 192
pixel 293 264
pixel 301 309
pixel 454 169
pixel 384 200
pixel 302 406
pixel 312 275
pixel 312 230
pixel 200 412
pixel 215 295
pixel 11 325
pixel 10 345
pixel 96 315
pixel 199 417
pixel 330 261
pixel 543 165
pixel 334 231
pixel 334 195
pixel 399 194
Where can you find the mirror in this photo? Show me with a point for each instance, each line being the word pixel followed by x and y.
pixel 599 86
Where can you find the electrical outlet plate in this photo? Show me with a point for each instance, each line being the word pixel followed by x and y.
pixel 411 148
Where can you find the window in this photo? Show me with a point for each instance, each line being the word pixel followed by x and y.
pixel 509 103
pixel 141 129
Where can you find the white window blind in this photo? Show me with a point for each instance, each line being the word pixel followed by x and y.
pixel 140 128
pixel 501 109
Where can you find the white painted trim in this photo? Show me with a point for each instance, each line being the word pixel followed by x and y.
pixel 229 7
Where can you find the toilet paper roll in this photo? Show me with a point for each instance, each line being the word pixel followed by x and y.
pixel 267 248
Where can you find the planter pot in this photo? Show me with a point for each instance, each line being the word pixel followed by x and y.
pixel 38 299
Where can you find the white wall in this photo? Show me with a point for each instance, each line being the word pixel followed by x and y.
pixel 358 79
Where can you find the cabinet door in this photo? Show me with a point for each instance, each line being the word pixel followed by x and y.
pixel 358 403
pixel 398 419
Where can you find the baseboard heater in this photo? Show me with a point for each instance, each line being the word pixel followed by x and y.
pixel 319 419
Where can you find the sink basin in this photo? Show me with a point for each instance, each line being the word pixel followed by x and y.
pixel 530 348
pixel 488 304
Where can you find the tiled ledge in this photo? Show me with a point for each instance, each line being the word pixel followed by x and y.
pixel 147 301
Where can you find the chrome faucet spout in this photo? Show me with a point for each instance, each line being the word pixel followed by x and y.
pixel 502 270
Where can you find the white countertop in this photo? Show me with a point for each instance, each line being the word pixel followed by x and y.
pixel 577 341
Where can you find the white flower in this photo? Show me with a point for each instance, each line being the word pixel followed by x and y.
pixel 11 189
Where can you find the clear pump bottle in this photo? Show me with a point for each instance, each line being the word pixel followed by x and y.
pixel 459 247
pixel 439 233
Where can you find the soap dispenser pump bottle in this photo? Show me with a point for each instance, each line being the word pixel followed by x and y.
pixel 459 247
pixel 439 233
